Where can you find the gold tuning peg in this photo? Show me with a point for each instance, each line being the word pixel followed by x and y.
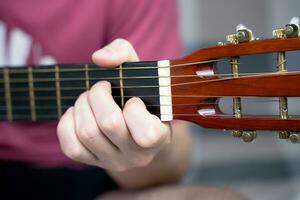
pixel 243 34
pixel 249 136
pixel 294 138
pixel 289 31
pixel 236 133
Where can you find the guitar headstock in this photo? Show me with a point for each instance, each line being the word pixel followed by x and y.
pixel 197 86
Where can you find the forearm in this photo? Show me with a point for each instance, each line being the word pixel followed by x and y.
pixel 167 167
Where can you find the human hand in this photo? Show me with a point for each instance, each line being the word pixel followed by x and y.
pixel 96 131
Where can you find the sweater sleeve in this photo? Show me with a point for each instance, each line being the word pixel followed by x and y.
pixel 151 26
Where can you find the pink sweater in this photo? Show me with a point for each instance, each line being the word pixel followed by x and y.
pixel 69 31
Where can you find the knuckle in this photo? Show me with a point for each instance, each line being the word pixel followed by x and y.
pixel 111 124
pixel 81 98
pixel 150 138
pixel 116 166
pixel 94 90
pixel 73 153
pixel 142 161
pixel 131 109
pixel 87 133
pixel 64 125
pixel 61 128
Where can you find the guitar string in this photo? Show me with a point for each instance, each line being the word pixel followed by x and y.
pixel 47 117
pixel 148 105
pixel 24 108
pixel 53 97
pixel 40 70
pixel 40 117
pixel 20 89
pixel 38 80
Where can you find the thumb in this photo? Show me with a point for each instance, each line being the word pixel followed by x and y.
pixel 115 53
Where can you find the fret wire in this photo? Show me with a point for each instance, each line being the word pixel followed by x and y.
pixel 87 78
pixel 9 114
pixel 121 86
pixel 31 94
pixel 58 93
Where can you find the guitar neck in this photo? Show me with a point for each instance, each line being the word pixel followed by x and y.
pixel 43 93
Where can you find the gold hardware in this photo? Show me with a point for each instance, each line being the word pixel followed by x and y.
pixel 121 85
pixel 58 93
pixel 237 133
pixel 87 79
pixel 289 31
pixel 220 44
pixel 237 105
pixel 31 94
pixel 248 136
pixel 294 138
pixel 9 114
pixel 243 35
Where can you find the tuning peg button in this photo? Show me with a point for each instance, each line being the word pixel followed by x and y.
pixel 248 136
pixel 294 138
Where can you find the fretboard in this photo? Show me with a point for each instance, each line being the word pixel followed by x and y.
pixel 43 93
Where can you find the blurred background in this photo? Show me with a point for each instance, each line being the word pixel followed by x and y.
pixel 268 168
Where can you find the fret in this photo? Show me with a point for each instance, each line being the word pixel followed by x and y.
pixel 58 94
pixel 87 78
pixel 151 85
pixel 104 75
pixel 121 85
pixel 9 114
pixel 31 94
pixel 79 85
pixel 15 96
pixel 43 96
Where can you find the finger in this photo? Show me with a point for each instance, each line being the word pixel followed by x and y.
pixel 108 115
pixel 69 142
pixel 89 133
pixel 146 129
pixel 115 53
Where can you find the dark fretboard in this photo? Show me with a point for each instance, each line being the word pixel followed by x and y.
pixel 39 93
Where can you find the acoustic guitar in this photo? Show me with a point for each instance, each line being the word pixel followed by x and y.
pixel 183 89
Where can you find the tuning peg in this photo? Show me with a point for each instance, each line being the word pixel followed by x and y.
pixel 294 20
pixel 243 34
pixel 294 138
pixel 237 133
pixel 248 136
pixel 290 30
